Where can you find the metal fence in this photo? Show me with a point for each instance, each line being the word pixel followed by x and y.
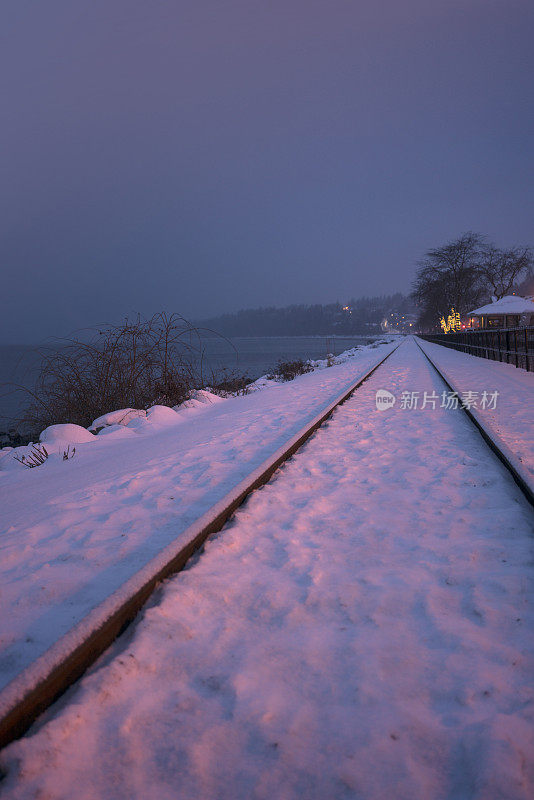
pixel 511 345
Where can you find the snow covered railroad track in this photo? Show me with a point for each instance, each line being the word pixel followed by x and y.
pixel 49 676
pixel 360 629
pixel 503 453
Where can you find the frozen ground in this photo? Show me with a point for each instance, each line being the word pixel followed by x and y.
pixel 362 629
pixel 512 418
pixel 71 532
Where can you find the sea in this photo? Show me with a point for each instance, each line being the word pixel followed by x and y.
pixel 253 356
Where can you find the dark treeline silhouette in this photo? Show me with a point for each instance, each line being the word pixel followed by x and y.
pixel 358 316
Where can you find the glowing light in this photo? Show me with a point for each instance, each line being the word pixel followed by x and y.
pixel 452 323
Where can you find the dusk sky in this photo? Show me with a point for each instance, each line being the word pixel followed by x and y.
pixel 210 155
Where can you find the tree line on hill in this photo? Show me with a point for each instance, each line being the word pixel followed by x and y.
pixel 467 273
pixel 359 316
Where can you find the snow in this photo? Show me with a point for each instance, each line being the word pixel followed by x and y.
pixel 65 434
pixel 511 420
pixel 120 417
pixel 199 398
pixel 137 418
pixel 161 415
pixel 74 531
pixel 362 628
pixel 510 304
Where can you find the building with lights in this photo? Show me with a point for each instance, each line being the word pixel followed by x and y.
pixel 511 311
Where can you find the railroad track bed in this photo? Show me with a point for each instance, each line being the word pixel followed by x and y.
pixel 509 422
pixel 361 616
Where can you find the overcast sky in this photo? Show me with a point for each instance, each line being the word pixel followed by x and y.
pixel 209 155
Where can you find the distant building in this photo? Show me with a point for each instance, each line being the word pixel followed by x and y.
pixel 511 311
pixel 398 323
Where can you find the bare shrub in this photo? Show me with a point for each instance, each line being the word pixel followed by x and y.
pixel 37 456
pixel 287 370
pixel 68 453
pixel 132 365
pixel 230 383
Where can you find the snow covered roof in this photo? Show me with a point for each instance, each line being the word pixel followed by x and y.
pixel 511 304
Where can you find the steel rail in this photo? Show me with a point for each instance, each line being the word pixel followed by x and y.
pixel 41 683
pixel 503 453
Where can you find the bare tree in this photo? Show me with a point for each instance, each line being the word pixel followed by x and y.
pixel 502 270
pixel 449 276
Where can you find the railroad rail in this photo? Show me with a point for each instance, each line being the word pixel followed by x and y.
pixel 35 689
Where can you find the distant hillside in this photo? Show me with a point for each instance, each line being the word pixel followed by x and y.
pixel 358 316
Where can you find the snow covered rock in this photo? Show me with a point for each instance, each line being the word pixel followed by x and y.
pixel 123 416
pixel 198 399
pixel 161 415
pixel 66 434
pixel 203 396
pixel 117 431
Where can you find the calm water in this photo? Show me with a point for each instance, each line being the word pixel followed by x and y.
pixel 253 356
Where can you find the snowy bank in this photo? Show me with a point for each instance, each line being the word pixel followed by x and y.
pixel 73 531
